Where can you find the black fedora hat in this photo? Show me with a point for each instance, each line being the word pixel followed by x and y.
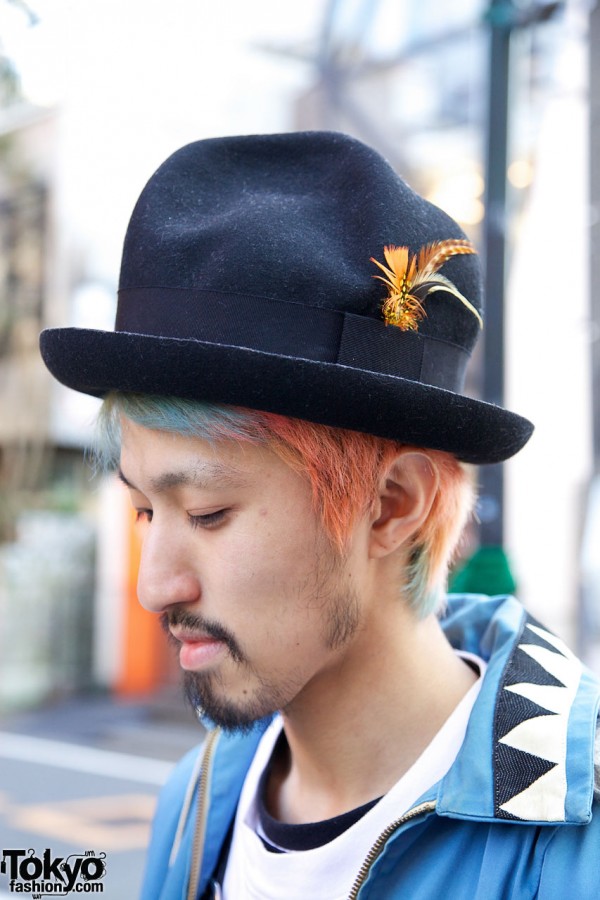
pixel 252 276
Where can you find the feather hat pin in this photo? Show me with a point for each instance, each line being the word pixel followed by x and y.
pixel 409 279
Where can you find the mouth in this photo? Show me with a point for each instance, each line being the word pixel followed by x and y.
pixel 197 650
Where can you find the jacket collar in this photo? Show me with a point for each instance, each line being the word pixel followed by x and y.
pixel 528 751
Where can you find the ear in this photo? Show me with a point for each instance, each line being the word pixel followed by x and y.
pixel 406 495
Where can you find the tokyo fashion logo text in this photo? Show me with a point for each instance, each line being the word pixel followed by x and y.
pixel 29 873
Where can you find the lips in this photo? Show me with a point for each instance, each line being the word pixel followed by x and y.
pixel 198 650
pixel 187 636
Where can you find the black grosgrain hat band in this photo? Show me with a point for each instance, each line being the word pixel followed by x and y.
pixel 293 330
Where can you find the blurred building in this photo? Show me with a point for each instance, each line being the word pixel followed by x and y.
pixel 47 541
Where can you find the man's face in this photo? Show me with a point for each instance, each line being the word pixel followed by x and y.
pixel 236 562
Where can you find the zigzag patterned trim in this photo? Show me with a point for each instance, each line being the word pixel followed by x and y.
pixel 530 727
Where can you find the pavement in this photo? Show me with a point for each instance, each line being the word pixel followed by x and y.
pixel 79 778
pixel 161 727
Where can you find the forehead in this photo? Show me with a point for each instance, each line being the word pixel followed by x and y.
pixel 162 460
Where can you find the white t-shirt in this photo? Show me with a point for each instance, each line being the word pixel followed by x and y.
pixel 328 872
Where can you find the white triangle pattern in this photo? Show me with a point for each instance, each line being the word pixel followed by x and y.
pixel 558 666
pixel 542 801
pixel 554 699
pixel 553 640
pixel 545 736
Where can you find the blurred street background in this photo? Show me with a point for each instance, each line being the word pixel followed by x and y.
pixel 487 107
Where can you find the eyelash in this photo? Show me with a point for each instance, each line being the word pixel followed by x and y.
pixel 210 520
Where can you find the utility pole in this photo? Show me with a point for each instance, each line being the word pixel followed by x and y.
pixel 488 569
pixel 503 17
pixel 501 21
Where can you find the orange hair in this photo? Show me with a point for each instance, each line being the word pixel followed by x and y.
pixel 345 467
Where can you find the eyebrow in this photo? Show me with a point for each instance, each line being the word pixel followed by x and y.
pixel 205 476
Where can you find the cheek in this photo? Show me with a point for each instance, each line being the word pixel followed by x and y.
pixel 271 565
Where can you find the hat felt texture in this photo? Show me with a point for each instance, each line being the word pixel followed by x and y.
pixel 247 279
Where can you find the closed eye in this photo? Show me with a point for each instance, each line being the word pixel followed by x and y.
pixel 143 515
pixel 208 520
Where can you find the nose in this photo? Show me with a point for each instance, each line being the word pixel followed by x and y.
pixel 166 575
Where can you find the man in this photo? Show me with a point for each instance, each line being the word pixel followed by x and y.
pixel 284 400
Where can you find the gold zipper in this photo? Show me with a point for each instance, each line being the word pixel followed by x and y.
pixel 381 842
pixel 202 812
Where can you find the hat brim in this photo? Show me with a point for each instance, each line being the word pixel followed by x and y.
pixel 97 362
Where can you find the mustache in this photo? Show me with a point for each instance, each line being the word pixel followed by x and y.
pixel 215 630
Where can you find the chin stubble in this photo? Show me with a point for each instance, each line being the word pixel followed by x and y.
pixel 206 692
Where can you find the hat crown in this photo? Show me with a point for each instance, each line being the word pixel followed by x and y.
pixel 291 217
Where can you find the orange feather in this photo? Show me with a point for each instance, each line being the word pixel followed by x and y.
pixel 407 276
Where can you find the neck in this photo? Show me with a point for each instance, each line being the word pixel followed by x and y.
pixel 383 700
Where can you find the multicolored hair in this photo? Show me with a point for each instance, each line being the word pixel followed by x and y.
pixel 343 468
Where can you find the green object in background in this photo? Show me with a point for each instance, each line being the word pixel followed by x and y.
pixel 486 572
